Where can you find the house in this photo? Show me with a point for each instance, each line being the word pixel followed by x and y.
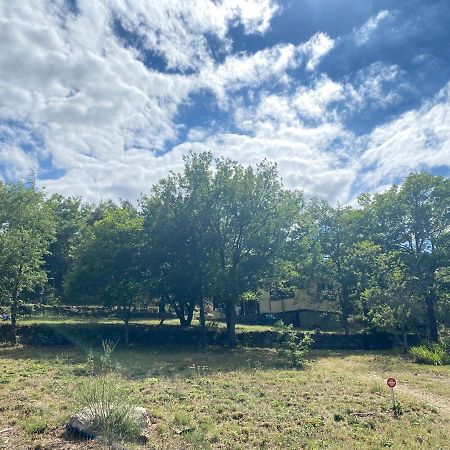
pixel 304 309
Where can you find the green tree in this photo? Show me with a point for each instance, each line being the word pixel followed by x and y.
pixel 175 227
pixel 391 297
pixel 27 228
pixel 71 217
pixel 107 264
pixel 337 236
pixel 251 216
pixel 414 219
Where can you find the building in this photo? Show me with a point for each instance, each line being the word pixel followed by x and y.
pixel 304 309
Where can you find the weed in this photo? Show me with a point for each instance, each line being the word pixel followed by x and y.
pixel 431 355
pixel 35 426
pixel 397 409
pixel 290 348
pixel 105 400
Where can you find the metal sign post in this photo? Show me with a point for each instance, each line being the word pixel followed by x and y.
pixel 392 383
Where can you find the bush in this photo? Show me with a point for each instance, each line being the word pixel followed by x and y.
pixel 91 335
pixel 105 402
pixel 291 347
pixel 431 355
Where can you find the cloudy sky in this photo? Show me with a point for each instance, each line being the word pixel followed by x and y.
pixel 103 98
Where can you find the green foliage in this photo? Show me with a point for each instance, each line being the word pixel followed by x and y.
pixel 27 228
pixel 392 296
pixel 35 425
pixel 290 348
pixel 176 252
pixel 433 354
pixel 71 217
pixel 107 269
pixel 105 399
pixel 397 409
pixel 414 220
pixel 338 237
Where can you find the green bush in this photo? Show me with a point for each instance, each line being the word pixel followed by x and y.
pixel 431 355
pixel 291 347
pixel 105 400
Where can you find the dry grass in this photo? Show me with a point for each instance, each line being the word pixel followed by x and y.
pixel 242 399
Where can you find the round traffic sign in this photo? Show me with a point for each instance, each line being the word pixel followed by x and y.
pixel 391 382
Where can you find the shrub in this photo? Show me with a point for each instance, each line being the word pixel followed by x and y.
pixel 291 348
pixel 105 404
pixel 431 355
pixel 105 401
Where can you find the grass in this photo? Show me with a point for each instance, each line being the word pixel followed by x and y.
pixel 241 399
pixel 47 319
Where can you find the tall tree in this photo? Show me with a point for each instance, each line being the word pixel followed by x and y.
pixel 250 218
pixel 391 298
pixel 107 269
pixel 71 217
pixel 337 236
pixel 27 228
pixel 176 250
pixel 414 219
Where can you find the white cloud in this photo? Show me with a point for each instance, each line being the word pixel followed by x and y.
pixel 86 103
pixel 316 48
pixel 177 29
pixel 374 87
pixel 17 163
pixel 363 34
pixel 418 139
pixel 314 102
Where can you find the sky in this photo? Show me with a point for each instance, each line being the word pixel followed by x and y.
pixel 102 98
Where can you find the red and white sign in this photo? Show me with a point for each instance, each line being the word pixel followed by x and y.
pixel 391 382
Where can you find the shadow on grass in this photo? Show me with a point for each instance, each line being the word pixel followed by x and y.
pixel 139 363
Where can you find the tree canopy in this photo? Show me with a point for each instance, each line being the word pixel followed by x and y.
pixel 216 233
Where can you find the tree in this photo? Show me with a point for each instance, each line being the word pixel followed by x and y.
pixel 107 268
pixel 27 228
pixel 250 218
pixel 391 297
pixel 71 217
pixel 414 219
pixel 337 237
pixel 177 250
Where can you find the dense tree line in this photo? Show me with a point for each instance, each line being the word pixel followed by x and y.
pixel 219 232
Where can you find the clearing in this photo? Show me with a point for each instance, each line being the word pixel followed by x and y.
pixel 241 399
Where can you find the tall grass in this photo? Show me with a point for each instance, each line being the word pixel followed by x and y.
pixel 432 355
pixel 105 401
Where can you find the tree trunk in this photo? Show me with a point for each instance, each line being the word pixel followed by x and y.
pixel 431 314
pixel 162 311
pixel 405 341
pixel 344 312
pixel 185 317
pixel 345 325
pixel 127 330
pixel 179 311
pixel 230 312
pixel 14 307
pixel 202 322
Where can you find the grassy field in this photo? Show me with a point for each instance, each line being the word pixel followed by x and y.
pixel 30 320
pixel 241 399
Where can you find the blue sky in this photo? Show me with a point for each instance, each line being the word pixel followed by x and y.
pixel 103 98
